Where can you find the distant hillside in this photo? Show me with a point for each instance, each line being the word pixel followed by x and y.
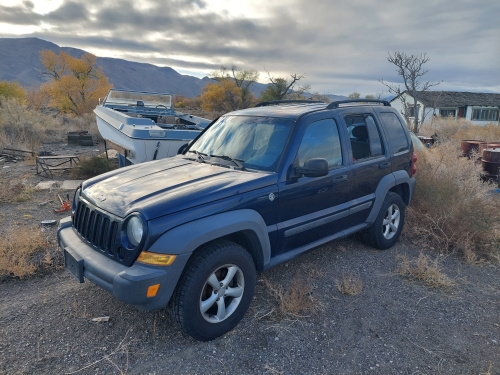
pixel 20 61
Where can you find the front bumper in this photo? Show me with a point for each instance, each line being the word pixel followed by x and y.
pixel 128 284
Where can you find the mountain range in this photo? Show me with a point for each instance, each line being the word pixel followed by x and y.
pixel 20 61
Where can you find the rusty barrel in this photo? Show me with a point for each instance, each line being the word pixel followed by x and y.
pixel 484 146
pixel 491 161
pixel 471 145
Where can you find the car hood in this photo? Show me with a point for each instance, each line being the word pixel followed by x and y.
pixel 165 186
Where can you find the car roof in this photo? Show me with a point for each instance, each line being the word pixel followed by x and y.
pixel 281 110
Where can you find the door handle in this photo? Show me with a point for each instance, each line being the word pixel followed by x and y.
pixel 341 178
pixel 384 165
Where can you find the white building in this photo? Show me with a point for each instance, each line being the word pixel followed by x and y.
pixel 479 108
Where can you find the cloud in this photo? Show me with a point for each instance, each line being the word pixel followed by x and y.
pixel 341 46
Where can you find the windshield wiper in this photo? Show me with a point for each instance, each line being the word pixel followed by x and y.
pixel 229 158
pixel 199 155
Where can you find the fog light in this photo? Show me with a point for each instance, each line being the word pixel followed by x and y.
pixel 156 259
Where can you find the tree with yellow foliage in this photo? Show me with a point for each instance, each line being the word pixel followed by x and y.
pixel 11 90
pixel 223 96
pixel 75 85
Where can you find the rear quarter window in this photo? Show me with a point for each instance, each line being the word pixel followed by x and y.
pixel 395 131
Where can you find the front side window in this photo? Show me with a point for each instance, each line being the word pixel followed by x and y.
pixel 364 137
pixel 321 140
pixel 485 114
pixel 255 142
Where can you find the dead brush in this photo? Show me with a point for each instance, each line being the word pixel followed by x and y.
pixel 21 246
pixel 296 301
pixel 425 270
pixel 448 129
pixel 349 284
pixel 14 191
pixel 452 209
pixel 92 166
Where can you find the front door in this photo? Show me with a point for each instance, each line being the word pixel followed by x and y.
pixel 313 208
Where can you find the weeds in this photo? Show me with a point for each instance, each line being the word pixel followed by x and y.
pixel 349 284
pixel 425 270
pixel 22 250
pixel 92 166
pixel 452 208
pixel 295 301
pixel 15 191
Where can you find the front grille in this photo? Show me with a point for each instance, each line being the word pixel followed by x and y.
pixel 97 228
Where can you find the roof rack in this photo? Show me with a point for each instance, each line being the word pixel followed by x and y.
pixel 336 104
pixel 276 102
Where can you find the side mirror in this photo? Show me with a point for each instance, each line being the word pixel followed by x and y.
pixel 315 167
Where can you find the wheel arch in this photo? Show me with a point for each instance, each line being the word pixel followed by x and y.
pixel 398 182
pixel 244 227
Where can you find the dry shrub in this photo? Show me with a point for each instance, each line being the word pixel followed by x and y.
pixel 448 129
pixel 350 284
pixel 86 122
pixel 423 269
pixel 22 250
pixel 452 208
pixel 295 301
pixel 92 166
pixel 21 126
pixel 14 191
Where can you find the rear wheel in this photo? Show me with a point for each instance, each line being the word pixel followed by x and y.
pixel 388 225
pixel 215 291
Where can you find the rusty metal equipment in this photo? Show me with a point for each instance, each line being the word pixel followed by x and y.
pixel 470 146
pixel 65 205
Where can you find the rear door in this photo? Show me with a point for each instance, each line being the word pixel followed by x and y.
pixel 368 158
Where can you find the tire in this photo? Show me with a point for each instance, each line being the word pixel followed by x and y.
pixel 205 308
pixel 385 232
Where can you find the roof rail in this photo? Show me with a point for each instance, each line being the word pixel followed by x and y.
pixel 336 104
pixel 275 102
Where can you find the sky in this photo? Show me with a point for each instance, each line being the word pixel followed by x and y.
pixel 340 46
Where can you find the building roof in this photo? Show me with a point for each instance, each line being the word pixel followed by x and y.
pixel 439 99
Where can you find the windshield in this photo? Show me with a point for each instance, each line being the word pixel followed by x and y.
pixel 118 97
pixel 254 142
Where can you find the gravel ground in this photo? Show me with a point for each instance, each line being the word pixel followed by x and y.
pixel 394 326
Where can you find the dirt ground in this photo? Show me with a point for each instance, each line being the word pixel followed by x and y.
pixel 395 325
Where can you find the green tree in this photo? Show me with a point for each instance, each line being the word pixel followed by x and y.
pixel 75 85
pixel 283 88
pixel 10 90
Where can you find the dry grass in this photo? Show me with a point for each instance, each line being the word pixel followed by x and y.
pixel 450 130
pixel 425 270
pixel 26 127
pixel 23 250
pixel 452 208
pixel 350 284
pixel 296 300
pixel 12 191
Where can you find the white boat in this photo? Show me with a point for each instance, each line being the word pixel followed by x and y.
pixel 144 126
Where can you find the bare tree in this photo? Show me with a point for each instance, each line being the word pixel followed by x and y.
pixel 283 88
pixel 410 68
pixel 377 96
pixel 354 95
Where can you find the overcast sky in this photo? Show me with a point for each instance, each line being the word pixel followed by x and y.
pixel 341 46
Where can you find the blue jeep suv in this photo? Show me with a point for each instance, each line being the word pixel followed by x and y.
pixel 256 188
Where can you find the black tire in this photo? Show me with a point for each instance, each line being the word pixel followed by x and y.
pixel 216 259
pixel 380 235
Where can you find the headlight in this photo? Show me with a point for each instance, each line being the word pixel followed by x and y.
pixel 135 230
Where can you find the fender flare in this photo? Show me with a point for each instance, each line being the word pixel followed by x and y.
pixel 187 237
pixel 388 182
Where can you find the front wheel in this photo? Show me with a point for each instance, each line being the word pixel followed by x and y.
pixel 388 225
pixel 215 291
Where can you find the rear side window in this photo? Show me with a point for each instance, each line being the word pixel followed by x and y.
pixel 364 137
pixel 395 132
